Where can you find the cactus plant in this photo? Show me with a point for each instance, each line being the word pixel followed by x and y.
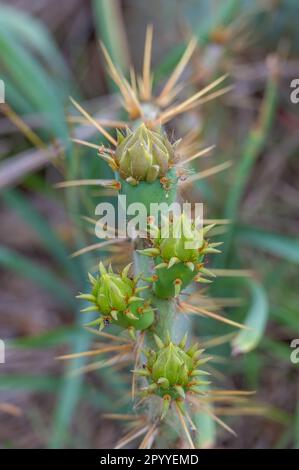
pixel 148 168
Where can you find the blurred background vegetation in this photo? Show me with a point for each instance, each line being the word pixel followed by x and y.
pixel 49 50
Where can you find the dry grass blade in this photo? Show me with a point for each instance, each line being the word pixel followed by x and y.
pixel 10 409
pixel 14 168
pixel 22 126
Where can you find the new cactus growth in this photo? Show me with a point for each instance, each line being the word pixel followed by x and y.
pixel 172 371
pixel 116 298
pixel 143 155
pixel 179 256
pixel 143 161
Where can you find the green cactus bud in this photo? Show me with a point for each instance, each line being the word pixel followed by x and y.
pixel 171 371
pixel 143 155
pixel 173 364
pixel 115 297
pixel 178 251
pixel 181 237
pixel 144 167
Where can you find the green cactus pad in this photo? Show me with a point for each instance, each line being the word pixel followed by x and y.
pixel 154 192
pixel 164 287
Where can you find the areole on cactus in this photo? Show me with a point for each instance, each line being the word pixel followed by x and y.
pixel 115 297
